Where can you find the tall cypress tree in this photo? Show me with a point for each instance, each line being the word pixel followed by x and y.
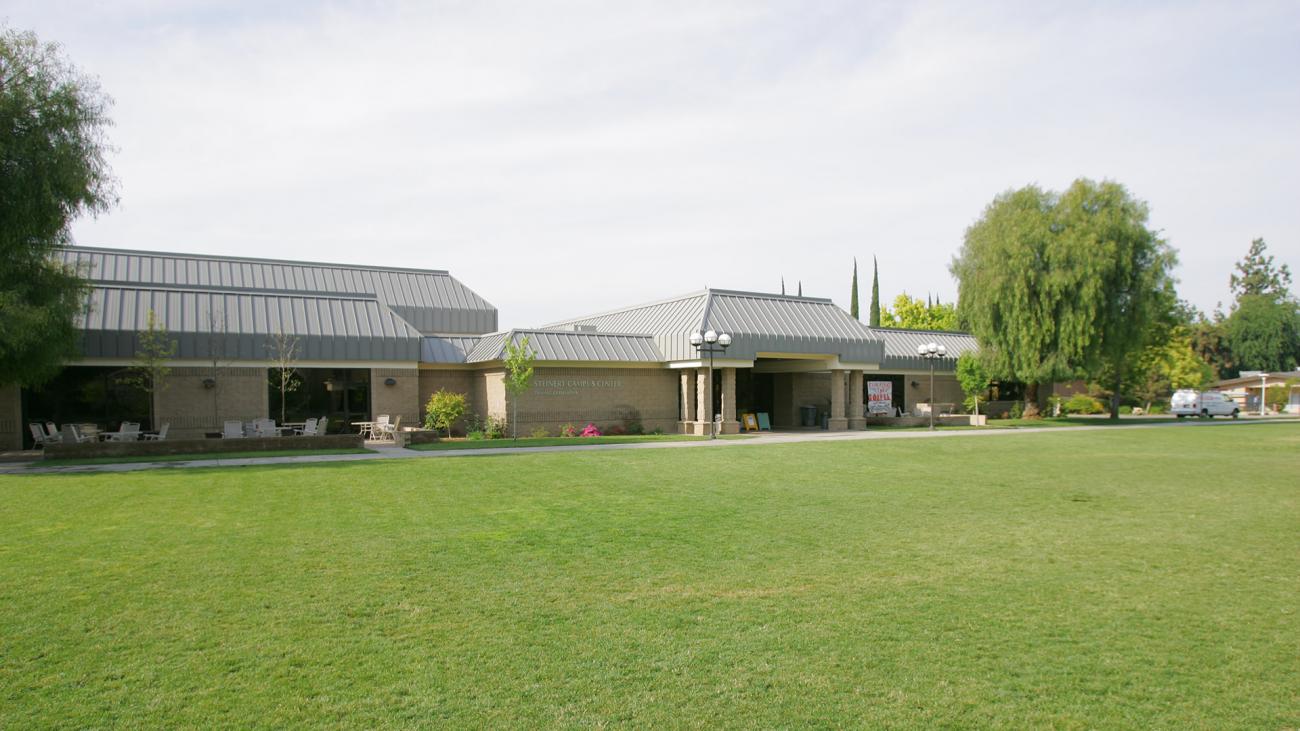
pixel 853 298
pixel 800 287
pixel 875 292
pixel 782 286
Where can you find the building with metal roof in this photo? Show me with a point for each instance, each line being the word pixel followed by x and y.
pixel 367 341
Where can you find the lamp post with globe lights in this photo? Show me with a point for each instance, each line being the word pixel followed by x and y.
pixel 711 342
pixel 931 352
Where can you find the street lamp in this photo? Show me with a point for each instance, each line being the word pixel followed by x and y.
pixel 931 352
pixel 711 342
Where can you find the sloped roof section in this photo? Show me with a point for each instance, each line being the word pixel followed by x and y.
pixel 447 348
pixel 430 300
pixel 757 322
pixel 562 345
pixel 240 325
pixel 901 345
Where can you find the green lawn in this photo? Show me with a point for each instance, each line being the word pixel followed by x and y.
pixel 1073 579
pixel 553 441
pixel 192 457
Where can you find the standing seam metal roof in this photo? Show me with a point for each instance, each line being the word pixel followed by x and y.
pixel 431 300
pixel 758 323
pixel 563 345
pixel 901 345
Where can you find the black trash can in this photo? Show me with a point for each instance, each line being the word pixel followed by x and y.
pixel 808 415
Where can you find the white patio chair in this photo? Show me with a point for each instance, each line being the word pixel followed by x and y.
pixel 380 424
pixel 389 431
pixel 52 433
pixel 38 434
pixel 232 430
pixel 321 425
pixel 78 436
pixel 161 435
pixel 308 428
pixel 128 432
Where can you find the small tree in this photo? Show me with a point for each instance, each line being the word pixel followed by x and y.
pixel 443 410
pixel 284 370
pixel 974 379
pixel 875 293
pixel 149 369
pixel 519 377
pixel 853 296
pixel 214 343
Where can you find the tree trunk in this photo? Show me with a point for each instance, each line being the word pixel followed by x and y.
pixel 1114 401
pixel 1031 401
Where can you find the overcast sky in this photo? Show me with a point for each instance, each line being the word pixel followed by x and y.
pixel 564 158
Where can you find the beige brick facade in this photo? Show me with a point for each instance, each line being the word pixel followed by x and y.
pixel 604 396
pixel 946 390
pixel 11 418
pixel 191 409
pixel 400 399
pixel 456 381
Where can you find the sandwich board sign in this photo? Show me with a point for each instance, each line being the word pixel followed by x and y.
pixel 880 397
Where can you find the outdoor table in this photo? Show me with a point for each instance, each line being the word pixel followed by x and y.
pixel 112 436
pixel 367 427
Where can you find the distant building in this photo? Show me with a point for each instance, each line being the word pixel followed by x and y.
pixel 1246 389
pixel 380 340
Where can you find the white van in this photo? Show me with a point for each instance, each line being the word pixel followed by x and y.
pixel 1208 404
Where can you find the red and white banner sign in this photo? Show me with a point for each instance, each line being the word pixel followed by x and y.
pixel 880 397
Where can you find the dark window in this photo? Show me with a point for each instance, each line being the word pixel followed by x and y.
pixel 86 395
pixel 342 394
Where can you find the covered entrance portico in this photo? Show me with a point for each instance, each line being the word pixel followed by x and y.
pixel 786 387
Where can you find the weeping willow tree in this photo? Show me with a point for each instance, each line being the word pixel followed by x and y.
pixel 1059 286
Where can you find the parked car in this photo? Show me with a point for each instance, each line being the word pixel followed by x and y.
pixel 1205 404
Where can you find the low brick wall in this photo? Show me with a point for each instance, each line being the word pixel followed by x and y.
pixel 955 420
pixel 419 436
pixel 93 450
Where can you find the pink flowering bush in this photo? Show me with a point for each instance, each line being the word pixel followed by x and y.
pixel 590 430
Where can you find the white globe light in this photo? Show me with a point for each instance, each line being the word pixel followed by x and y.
pixel 696 339
pixel 724 340
pixel 943 350
pixel 710 337
pixel 932 347
pixel 920 350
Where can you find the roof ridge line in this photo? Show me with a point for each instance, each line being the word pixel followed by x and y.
pixel 253 260
pixel 629 308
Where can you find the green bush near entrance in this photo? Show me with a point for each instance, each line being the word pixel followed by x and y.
pixel 1070 579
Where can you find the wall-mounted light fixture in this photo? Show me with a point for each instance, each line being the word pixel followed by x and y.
pixel 329 384
pixel 390 381
pixel 916 384
pixel 209 383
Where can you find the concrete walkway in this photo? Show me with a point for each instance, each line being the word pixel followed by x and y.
pixel 388 452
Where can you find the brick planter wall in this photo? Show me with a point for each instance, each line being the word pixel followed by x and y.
pixel 93 450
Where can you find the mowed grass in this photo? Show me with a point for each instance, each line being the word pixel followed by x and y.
pixel 194 457
pixel 525 442
pixel 1074 579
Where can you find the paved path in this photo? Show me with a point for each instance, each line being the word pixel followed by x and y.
pixel 382 453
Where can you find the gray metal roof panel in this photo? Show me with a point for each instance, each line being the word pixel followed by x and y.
pixel 431 300
pixel 566 345
pixel 447 348
pixel 239 326
pixel 901 345
pixel 758 323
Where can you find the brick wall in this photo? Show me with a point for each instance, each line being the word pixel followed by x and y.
pixel 946 390
pixel 400 399
pixel 602 395
pixel 191 409
pixel 11 418
pixel 431 380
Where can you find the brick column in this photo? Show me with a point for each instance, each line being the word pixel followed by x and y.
pixel 856 387
pixel 729 423
pixel 838 422
pixel 687 417
pixel 703 400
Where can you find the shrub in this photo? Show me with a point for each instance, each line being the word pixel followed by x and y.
pixel 1082 403
pixel 1126 410
pixel 568 430
pixel 494 428
pixel 615 430
pixel 590 430
pixel 540 432
pixel 1016 411
pixel 443 409
pixel 657 432
pixel 1157 409
pixel 635 427
pixel 475 435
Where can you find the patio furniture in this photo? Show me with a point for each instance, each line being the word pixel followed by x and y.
pixel 160 435
pixel 52 432
pixel 321 425
pixel 232 430
pixel 128 432
pixel 38 434
pixel 79 436
pixel 365 428
pixel 389 431
pixel 308 428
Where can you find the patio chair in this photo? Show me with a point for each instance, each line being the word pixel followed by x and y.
pixel 321 425
pixel 52 433
pixel 38 434
pixel 389 431
pixel 308 428
pixel 129 431
pixel 232 430
pixel 379 426
pixel 78 436
pixel 161 435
